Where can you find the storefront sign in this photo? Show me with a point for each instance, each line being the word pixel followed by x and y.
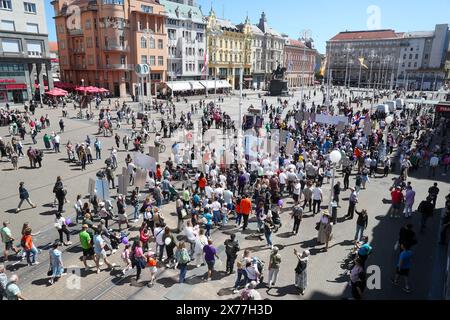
pixel 443 108
pixel 7 81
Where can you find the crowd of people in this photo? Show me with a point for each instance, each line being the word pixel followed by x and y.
pixel 218 195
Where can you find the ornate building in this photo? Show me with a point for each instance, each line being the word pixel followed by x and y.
pixel 229 48
pixel 101 45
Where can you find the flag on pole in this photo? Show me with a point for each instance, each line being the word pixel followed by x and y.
pixel 361 62
pixel 205 63
pixel 323 67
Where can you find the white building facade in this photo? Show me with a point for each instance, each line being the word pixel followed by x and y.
pixel 186 40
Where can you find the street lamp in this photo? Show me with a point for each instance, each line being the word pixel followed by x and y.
pixel 388 120
pixel 335 158
pixel 306 34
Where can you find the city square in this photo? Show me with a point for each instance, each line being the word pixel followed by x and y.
pixel 358 131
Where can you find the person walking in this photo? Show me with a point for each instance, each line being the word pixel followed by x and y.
pixel 274 266
pixel 268 230
pixel 29 247
pixel 231 249
pixel 246 209
pixel 403 267
pixel 56 263
pixel 137 258
pixel 7 240
pixel 317 197
pixel 210 254
pixel 307 194
pixel 3 282
pixel 325 230
pixel 61 226
pixel 433 192
pixel 357 279
pixel 99 250
pixel 200 241
pixel 297 215
pixel 86 244
pixel 301 270
pixel 426 209
pixel 336 192
pixel 170 244
pixel 352 201
pixel 98 149
pixel 361 224
pixel 409 201
pixel 182 259
pixel 397 200
pixel 60 194
pixel 12 290
pixel 24 196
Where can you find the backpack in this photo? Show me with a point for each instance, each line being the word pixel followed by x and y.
pixel 184 257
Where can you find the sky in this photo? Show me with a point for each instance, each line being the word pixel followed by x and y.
pixel 325 18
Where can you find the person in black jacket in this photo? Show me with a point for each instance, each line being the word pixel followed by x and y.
pixel 110 176
pixel 231 249
pixel 24 196
pixel 407 237
pixel 59 192
pixel 426 208
pixel 361 224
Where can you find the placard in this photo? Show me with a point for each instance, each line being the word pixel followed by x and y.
pixel 102 189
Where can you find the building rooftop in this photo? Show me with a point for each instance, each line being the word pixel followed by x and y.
pixel 295 43
pixel 418 34
pixel 53 46
pixel 365 35
pixel 227 24
pixel 181 11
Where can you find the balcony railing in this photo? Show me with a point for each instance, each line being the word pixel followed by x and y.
pixel 75 32
pixel 78 50
pixel 119 66
pixel 116 47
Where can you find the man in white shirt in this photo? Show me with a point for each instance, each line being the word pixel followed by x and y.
pixel 434 162
pixel 159 233
pixel 209 191
pixel 317 199
pixel 216 206
pixel 282 179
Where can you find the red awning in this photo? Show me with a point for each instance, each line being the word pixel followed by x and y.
pixel 248 79
pixel 16 86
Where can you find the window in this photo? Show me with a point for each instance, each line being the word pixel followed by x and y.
pixel 152 43
pixel 62 44
pixel 123 60
pixel 32 27
pixel 89 42
pixel 118 2
pixel 91 59
pixel 409 64
pixel 160 61
pixel 5 4
pixel 34 48
pixel 404 56
pixel 152 60
pixel 144 59
pixel 426 56
pixel 29 7
pixel 8 25
pixel 147 9
pixel 11 45
pixel 172 34
pixel 160 44
pixel 417 56
pixel 143 43
pixel 95 23
pixel 410 56
pixel 88 24
pixel 415 64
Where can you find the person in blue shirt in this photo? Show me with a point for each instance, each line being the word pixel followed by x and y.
pixel 209 220
pixel 403 267
pixel 364 250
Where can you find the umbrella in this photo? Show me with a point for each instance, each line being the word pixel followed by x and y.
pixel 103 90
pixel 56 93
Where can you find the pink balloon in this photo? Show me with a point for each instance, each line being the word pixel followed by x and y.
pixel 280 203
pixel 68 221
pixel 125 241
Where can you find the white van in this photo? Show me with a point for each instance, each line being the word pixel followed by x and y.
pixel 399 104
pixel 392 106
pixel 382 109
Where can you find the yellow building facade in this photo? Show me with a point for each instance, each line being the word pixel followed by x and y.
pixel 229 48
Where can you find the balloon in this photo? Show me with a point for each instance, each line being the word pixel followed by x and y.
pixel 68 221
pixel 125 241
pixel 168 241
pixel 280 203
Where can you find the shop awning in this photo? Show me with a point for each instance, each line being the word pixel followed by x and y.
pixel 219 84
pixel 197 85
pixel 16 86
pixel 177 86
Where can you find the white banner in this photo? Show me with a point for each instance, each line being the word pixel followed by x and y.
pixel 327 119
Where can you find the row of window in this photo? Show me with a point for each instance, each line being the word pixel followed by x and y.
pixel 152 61
pixel 228 58
pixel 10 25
pixel 152 43
pixel 237 45
pixel 174 22
pixel 28 7
pixel 117 2
pixel 33 47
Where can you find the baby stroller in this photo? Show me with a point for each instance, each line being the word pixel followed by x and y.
pixel 260 267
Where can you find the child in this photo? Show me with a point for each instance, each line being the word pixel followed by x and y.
pixel 224 214
pixel 152 266
pixel 126 259
pixel 328 174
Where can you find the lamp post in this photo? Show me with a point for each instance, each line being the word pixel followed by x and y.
pixel 84 93
pixel 388 120
pixel 347 51
pixel 335 158
pixel 306 34
pixel 148 35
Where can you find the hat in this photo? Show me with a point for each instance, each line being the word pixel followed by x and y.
pixel 326 213
pixel 306 253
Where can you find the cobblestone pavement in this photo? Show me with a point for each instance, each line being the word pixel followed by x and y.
pixel 327 280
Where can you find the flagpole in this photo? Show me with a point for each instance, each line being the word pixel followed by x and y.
pixel 359 79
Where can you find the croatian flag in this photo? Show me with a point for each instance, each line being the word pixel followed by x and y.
pixel 206 63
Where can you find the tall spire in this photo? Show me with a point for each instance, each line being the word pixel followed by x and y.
pixel 247 19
